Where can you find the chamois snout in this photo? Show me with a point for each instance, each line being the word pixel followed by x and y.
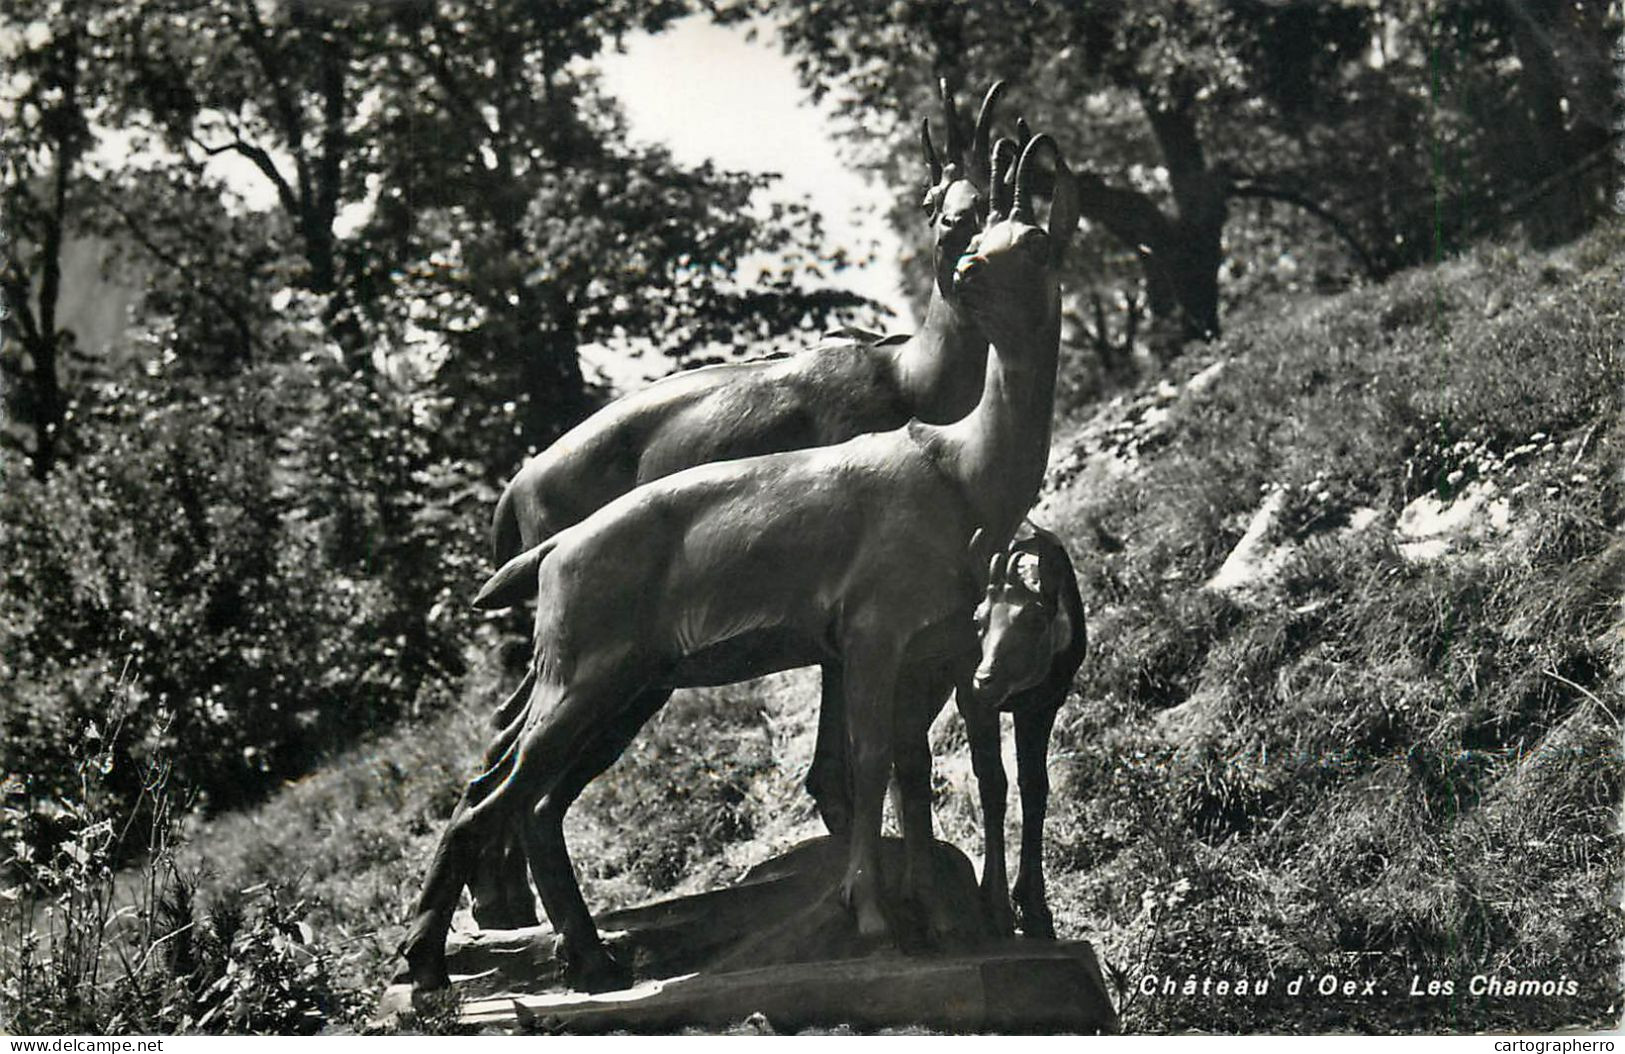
pixel 1016 623
pixel 1016 653
pixel 971 264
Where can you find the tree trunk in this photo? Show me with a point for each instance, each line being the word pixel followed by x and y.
pixel 1558 65
pixel 50 407
pixel 1179 254
pixel 1201 202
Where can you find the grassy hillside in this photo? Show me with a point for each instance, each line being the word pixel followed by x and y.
pixel 1390 747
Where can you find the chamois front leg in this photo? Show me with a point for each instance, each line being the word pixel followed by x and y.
pixel 829 778
pixel 588 964
pixel 871 680
pixel 501 894
pixel 982 729
pixel 918 700
pixel 1033 726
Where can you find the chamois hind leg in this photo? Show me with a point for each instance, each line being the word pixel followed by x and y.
pixel 588 964
pixel 1033 726
pixel 557 719
pixel 499 887
pixel 993 787
pixel 478 818
pixel 870 681
pixel 829 778
pixel 500 890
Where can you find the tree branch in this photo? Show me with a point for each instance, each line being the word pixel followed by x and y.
pixel 1130 216
pixel 329 169
pixel 232 311
pixel 448 83
pixel 262 161
pixel 1252 189
pixel 286 106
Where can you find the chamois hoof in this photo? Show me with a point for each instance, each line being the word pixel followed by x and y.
pixel 999 911
pixel 943 926
pixel 872 928
pixel 1038 923
pixel 427 970
pixel 866 913
pixel 593 970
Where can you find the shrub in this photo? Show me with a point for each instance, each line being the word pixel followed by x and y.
pixel 84 949
pixel 234 581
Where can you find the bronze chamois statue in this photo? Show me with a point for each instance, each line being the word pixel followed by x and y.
pixel 822 396
pixel 858 553
pixel 1033 638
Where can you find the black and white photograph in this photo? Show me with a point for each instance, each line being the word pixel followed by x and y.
pixel 812 517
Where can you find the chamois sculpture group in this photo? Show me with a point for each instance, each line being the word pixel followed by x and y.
pixel 832 509
pixel 820 397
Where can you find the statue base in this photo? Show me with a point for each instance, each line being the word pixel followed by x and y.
pixel 779 944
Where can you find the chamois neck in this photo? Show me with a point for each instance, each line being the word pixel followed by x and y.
pixel 940 369
pixel 1000 451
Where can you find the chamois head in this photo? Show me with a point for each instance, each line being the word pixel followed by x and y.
pixel 1021 623
pixel 956 198
pixel 1008 275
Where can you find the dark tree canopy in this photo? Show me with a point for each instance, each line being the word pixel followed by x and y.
pixel 441 175
pixel 371 241
pixel 1386 131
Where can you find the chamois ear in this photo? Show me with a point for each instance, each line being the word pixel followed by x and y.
pixel 1003 187
pixel 515 582
pixel 931 161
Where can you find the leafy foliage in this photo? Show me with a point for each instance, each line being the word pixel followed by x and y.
pixel 83 950
pixel 372 241
pixel 1231 150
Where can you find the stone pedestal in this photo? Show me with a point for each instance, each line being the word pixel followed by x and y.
pixel 780 944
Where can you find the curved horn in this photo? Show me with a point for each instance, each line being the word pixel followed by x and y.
pixel 1000 184
pixel 995 571
pixel 931 161
pixel 1022 210
pixel 954 150
pixel 981 160
pixel 1025 574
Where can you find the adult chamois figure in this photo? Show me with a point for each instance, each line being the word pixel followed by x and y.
pixel 858 553
pixel 1033 637
pixel 822 396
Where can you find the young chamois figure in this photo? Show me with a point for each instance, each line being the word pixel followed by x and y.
pixel 822 396
pixel 728 571
pixel 1031 623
